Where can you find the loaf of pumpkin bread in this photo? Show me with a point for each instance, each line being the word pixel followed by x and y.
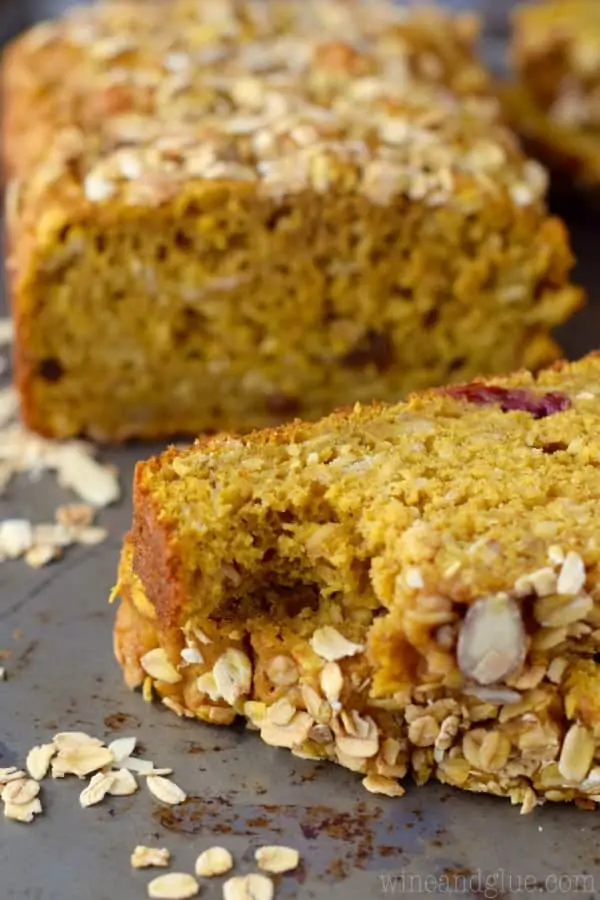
pixel 555 98
pixel 403 588
pixel 222 215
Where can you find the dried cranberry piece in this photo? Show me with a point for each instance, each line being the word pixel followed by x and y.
pixel 539 405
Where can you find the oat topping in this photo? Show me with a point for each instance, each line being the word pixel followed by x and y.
pixel 240 100
pixel 491 642
pixel 329 644
pixel 157 665
pixel 213 861
pixel 97 789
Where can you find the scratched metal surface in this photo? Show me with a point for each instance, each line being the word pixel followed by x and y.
pixel 436 842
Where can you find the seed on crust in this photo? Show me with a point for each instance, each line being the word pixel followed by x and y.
pixel 577 753
pixel 281 712
pixel 145 857
pixel 379 784
pixel 233 675
pixel 156 664
pixel 99 786
pixel 291 735
pixel 329 644
pixel 277 859
pixel 173 886
pixel 492 639
pixel 332 681
pixel 282 671
pixel 248 887
pixel 214 861
pixel 571 578
pixel 165 790
pixel 38 760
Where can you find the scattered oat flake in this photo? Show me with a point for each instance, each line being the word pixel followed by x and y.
pixel 81 761
pixel 97 789
pixel 40 555
pixel 9 405
pixel 77 515
pixel 2 673
pixel 7 331
pixel 11 774
pixel 173 886
pixel 124 783
pixel 277 859
pixel 379 784
pixel 122 747
pixel 145 857
pixel 20 792
pixel 94 483
pixel 214 861
pixel 141 766
pixel 572 574
pixel 16 537
pixel 248 887
pixel 66 740
pixel 23 812
pixel 329 644
pixel 38 760
pixel 93 534
pixel 166 790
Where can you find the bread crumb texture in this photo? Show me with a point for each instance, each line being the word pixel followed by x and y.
pixel 395 588
pixel 222 216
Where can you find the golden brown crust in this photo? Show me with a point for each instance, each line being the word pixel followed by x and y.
pixel 257 278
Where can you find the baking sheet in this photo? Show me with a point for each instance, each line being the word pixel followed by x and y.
pixel 61 675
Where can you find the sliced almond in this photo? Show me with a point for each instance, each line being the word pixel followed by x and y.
pixel 233 675
pixel 146 857
pixel 156 663
pixel 492 640
pixel 329 644
pixel 38 760
pixel 165 790
pixel 99 786
pixel 214 861
pixel 20 792
pixel 248 887
pixel 124 783
pixel 173 886
pixel 276 859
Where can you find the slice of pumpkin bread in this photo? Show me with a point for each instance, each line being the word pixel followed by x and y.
pixel 222 215
pixel 394 588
